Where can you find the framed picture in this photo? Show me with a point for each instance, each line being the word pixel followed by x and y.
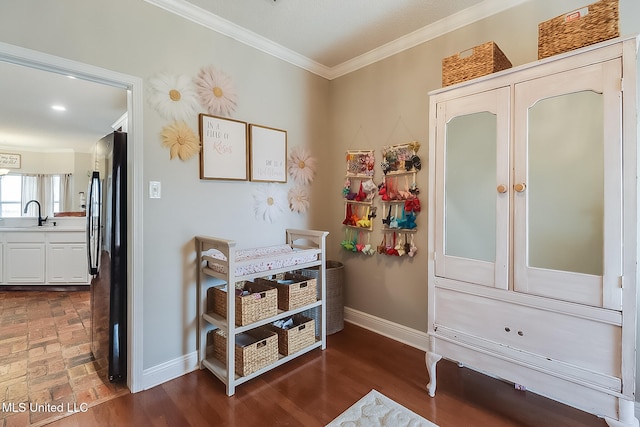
pixel 224 148
pixel 268 148
pixel 10 161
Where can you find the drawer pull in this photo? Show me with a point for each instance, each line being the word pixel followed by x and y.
pixel 521 333
pixel 508 329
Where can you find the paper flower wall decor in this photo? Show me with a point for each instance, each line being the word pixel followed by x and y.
pixel 298 199
pixel 181 140
pixel 174 97
pixel 302 167
pixel 216 91
pixel 270 202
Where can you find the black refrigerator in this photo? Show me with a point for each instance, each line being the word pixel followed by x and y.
pixel 107 254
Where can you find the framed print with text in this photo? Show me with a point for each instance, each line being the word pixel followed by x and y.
pixel 224 148
pixel 10 161
pixel 268 158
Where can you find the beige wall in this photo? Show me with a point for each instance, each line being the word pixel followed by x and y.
pixel 387 103
pixel 44 162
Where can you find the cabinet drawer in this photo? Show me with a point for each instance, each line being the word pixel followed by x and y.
pixel 24 237
pixel 67 237
pixel 581 342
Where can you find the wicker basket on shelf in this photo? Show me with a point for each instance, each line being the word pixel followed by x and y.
pixel 478 61
pixel 294 290
pixel 591 24
pixel 260 303
pixel 255 349
pixel 300 335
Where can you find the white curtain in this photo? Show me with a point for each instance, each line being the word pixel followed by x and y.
pixel 66 198
pixel 31 191
pixel 43 189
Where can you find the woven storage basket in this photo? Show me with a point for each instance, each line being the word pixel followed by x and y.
pixel 591 24
pixel 294 290
pixel 294 339
pixel 262 302
pixel 255 349
pixel 478 61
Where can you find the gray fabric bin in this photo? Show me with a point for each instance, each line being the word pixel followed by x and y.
pixel 334 298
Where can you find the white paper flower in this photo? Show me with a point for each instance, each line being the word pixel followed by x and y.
pixel 298 199
pixel 174 97
pixel 270 202
pixel 181 140
pixel 302 166
pixel 216 91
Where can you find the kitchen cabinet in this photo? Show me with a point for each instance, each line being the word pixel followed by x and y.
pixel 30 256
pixel 24 259
pixel 533 209
pixel 67 258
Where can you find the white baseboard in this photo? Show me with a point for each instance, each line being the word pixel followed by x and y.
pixel 395 331
pixel 169 370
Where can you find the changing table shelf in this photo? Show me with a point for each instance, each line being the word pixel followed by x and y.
pixel 307 249
pixel 220 370
pixel 221 322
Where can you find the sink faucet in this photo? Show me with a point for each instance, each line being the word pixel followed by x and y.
pixel 40 219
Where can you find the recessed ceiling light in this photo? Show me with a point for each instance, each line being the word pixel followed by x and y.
pixel 58 108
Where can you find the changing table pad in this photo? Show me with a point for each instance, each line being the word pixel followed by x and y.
pixel 256 260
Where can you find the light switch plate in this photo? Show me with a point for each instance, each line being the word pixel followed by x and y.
pixel 154 189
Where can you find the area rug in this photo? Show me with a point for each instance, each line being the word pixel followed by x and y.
pixel 376 409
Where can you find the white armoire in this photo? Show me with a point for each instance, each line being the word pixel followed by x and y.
pixel 533 227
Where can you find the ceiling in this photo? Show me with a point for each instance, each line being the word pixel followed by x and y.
pixel 327 37
pixel 29 123
pixel 331 32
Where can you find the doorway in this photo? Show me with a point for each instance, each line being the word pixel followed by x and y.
pixel 133 85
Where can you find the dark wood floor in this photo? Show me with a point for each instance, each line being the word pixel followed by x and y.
pixel 315 388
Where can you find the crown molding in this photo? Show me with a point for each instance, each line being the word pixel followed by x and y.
pixel 209 20
pixel 223 26
pixel 453 22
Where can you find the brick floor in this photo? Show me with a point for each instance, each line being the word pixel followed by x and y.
pixel 45 357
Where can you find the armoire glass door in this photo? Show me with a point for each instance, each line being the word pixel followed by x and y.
pixel 568 186
pixel 472 188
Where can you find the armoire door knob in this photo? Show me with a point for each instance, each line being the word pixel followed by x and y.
pixel 502 188
pixel 520 187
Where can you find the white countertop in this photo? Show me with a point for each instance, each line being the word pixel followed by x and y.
pixel 46 228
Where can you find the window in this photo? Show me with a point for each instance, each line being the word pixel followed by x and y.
pixel 16 190
pixel 10 196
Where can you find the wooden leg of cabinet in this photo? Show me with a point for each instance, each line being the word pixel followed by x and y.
pixel 431 360
pixel 626 412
